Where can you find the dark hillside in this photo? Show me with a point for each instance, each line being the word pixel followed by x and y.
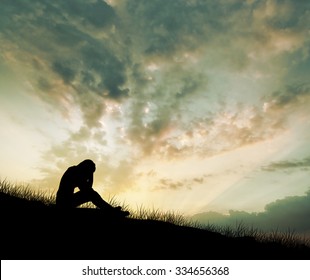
pixel 35 231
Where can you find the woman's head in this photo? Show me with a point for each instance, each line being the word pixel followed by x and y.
pixel 87 165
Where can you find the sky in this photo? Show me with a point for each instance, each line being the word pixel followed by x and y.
pixel 192 106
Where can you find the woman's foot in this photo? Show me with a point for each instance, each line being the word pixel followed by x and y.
pixel 121 212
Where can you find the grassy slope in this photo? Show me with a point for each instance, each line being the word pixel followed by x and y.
pixel 33 230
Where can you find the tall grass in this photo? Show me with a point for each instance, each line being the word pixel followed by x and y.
pixel 143 213
pixel 289 238
pixel 25 192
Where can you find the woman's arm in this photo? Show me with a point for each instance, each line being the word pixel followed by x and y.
pixel 86 182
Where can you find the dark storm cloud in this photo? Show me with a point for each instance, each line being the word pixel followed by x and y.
pixel 205 29
pixel 157 54
pixel 291 94
pixel 169 29
pixel 63 37
pixel 229 30
pixel 288 165
pixel 66 72
pixel 97 13
pixel 289 16
pixel 291 213
pixel 108 67
pixel 163 30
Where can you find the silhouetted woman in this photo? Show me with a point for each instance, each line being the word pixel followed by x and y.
pixel 81 176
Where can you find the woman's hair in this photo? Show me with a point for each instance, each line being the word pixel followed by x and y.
pixel 87 165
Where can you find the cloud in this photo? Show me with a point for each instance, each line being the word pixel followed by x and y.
pixel 61 38
pixel 288 165
pixel 201 23
pixel 290 213
pixel 291 95
pixel 176 70
pixel 95 13
pixel 64 71
pixel 171 184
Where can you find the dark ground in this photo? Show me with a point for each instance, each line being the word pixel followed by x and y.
pixel 32 231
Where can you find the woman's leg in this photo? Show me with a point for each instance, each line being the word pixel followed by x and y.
pixel 63 201
pixel 90 195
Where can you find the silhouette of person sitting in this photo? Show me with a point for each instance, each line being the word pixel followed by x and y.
pixel 81 176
